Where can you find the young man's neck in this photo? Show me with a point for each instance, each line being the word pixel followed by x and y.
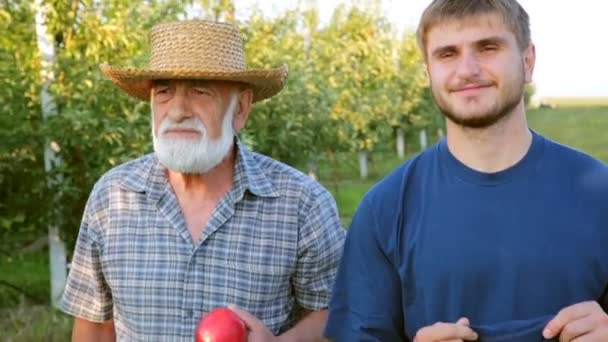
pixel 213 183
pixel 494 148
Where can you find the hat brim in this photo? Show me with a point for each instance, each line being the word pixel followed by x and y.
pixel 136 82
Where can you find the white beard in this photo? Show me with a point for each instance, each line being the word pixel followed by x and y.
pixel 194 156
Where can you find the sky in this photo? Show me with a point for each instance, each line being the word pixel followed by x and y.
pixel 571 39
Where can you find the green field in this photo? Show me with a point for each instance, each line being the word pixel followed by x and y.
pixel 577 101
pixel 584 127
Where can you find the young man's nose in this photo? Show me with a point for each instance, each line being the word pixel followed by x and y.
pixel 468 65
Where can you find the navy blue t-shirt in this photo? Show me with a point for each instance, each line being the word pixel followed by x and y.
pixel 436 240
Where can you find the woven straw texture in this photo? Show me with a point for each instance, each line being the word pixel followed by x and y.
pixel 196 50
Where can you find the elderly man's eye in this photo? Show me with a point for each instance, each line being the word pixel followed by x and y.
pixel 202 91
pixel 161 90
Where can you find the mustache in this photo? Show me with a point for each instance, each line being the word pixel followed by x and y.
pixel 466 84
pixel 194 124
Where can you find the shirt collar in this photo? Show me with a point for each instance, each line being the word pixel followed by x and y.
pixel 249 176
pixel 148 175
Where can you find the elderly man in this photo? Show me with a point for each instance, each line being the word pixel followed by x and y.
pixel 202 222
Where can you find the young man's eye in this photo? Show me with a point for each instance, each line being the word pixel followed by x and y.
pixel 446 54
pixel 490 47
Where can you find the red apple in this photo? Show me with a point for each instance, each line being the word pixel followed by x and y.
pixel 221 325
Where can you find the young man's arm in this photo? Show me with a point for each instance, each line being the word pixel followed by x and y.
pixel 366 300
pixel 87 331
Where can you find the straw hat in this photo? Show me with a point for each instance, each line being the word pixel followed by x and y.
pixel 201 50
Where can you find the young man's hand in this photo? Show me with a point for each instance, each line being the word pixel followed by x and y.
pixel 446 332
pixel 582 322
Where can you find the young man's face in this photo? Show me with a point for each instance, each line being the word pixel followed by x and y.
pixel 194 123
pixel 476 69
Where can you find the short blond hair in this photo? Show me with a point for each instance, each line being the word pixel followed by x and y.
pixel 514 16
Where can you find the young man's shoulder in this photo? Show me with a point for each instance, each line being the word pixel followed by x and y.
pixel 571 160
pixel 406 175
pixel 586 175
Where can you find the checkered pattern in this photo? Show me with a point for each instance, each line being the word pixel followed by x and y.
pixel 271 247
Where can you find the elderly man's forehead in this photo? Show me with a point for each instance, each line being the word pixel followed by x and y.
pixel 199 83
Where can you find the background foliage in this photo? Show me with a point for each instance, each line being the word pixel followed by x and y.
pixel 352 81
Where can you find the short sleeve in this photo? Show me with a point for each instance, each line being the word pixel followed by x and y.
pixel 320 242
pixel 86 294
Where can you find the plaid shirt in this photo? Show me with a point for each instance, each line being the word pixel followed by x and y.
pixel 272 247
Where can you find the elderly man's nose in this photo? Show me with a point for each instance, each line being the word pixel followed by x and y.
pixel 179 110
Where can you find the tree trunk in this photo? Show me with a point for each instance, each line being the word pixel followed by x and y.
pixel 440 133
pixel 400 143
pixel 312 169
pixel 57 254
pixel 363 169
pixel 423 140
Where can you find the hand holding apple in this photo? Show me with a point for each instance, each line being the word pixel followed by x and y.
pixel 257 331
pixel 221 325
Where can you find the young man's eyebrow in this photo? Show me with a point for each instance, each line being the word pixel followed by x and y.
pixel 494 40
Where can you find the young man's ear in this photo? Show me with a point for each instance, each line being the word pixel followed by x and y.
pixel 244 102
pixel 529 62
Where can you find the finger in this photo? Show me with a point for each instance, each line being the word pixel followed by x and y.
pixel 463 321
pixel 567 315
pixel 577 328
pixel 592 337
pixel 252 322
pixel 446 331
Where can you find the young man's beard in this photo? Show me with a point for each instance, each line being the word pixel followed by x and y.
pixel 194 156
pixel 509 98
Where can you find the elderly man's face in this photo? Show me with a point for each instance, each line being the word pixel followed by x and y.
pixel 194 123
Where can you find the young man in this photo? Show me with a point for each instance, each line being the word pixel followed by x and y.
pixel 202 222
pixel 496 233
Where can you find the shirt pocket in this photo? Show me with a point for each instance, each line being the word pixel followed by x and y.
pixel 258 285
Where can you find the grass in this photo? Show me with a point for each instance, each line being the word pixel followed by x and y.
pixel 21 319
pixel 26 323
pixel 343 181
pixel 24 277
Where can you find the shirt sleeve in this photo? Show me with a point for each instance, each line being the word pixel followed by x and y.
pixel 366 300
pixel 320 242
pixel 86 294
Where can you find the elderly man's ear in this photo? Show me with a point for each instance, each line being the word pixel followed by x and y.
pixel 245 100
